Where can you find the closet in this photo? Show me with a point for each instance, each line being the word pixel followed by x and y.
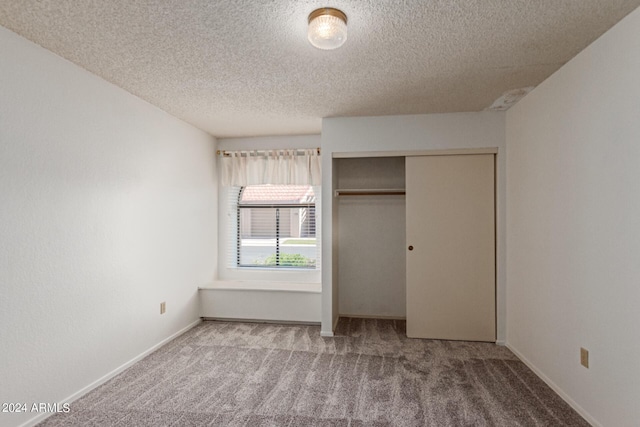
pixel 417 241
pixel 371 237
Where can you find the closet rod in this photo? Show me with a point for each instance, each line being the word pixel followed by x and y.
pixel 371 192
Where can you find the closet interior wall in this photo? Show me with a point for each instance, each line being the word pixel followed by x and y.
pixel 371 243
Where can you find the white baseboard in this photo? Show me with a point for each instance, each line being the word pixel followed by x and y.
pixel 41 417
pixel 501 343
pixel 373 316
pixel 275 322
pixel 333 328
pixel 555 387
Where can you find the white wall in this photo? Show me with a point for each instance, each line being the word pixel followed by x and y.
pixel 261 301
pixel 269 142
pixel 573 227
pixel 107 207
pixel 411 132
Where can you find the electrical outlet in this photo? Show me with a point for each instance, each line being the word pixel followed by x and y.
pixel 163 307
pixel 584 357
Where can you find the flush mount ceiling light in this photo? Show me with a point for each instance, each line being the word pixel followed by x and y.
pixel 327 28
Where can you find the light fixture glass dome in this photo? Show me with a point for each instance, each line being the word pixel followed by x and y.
pixel 327 28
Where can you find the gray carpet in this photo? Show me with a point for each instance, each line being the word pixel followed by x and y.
pixel 370 374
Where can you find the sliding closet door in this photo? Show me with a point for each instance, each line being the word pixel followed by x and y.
pixel 451 247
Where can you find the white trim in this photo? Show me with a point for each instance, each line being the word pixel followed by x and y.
pixel 41 417
pixel 555 388
pixel 330 333
pixel 460 151
pixel 254 285
pixel 269 321
pixel 501 343
pixel 373 316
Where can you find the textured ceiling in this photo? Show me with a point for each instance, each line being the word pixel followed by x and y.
pixel 245 67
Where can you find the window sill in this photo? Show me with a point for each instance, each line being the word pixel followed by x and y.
pixel 275 269
pixel 251 285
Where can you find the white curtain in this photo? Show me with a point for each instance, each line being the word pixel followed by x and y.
pixel 278 167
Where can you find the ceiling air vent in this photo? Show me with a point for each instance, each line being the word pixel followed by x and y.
pixel 509 98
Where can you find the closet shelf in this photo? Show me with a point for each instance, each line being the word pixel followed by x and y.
pixel 369 192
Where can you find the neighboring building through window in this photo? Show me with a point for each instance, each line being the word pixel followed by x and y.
pixel 276 227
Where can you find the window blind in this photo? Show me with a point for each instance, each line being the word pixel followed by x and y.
pixel 275 226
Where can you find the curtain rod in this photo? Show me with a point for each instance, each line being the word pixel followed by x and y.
pixel 226 153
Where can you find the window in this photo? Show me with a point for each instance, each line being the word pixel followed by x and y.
pixel 271 214
pixel 275 227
